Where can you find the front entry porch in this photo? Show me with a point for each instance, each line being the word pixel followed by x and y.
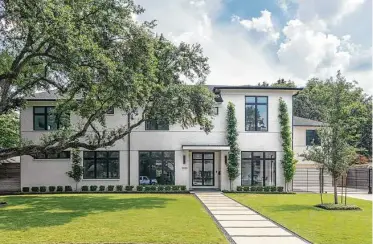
pixel 206 166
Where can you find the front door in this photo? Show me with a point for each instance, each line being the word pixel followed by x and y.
pixel 203 169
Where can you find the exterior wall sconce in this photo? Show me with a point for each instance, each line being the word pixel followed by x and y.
pixel 226 159
pixel 184 159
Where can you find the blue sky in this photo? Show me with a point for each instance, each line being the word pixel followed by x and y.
pixel 249 41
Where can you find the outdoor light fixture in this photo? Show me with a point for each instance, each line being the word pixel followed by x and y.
pixel 225 159
pixel 184 159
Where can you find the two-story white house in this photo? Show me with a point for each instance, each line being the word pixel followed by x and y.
pixel 167 154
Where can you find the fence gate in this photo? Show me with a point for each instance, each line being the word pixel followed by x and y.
pixel 307 179
pixel 10 177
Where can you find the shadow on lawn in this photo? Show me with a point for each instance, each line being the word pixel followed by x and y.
pixel 41 211
pixel 293 208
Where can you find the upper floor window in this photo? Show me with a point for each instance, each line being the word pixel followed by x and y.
pixel 60 155
pixel 156 125
pixel 110 110
pixel 312 138
pixel 256 113
pixel 45 119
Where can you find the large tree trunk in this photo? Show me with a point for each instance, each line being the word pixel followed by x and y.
pixel 335 190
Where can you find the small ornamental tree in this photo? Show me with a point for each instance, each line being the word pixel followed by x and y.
pixel 288 161
pixel 76 171
pixel 233 155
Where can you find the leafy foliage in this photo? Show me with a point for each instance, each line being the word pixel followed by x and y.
pixel 76 171
pixel 335 154
pixel 315 100
pixel 288 161
pixel 94 56
pixel 9 130
pixel 232 134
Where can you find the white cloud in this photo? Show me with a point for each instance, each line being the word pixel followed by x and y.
pixel 307 52
pixel 262 24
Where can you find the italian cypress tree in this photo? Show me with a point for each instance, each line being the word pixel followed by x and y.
pixel 232 134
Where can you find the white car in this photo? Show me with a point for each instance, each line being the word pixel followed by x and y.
pixel 144 180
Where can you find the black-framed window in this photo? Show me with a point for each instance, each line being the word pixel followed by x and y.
pixel 44 118
pixel 110 110
pixel 312 138
pixel 256 113
pixel 60 155
pixel 156 167
pixel 216 110
pixel 101 164
pixel 258 168
pixel 156 125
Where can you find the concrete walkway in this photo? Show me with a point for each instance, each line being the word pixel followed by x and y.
pixel 243 225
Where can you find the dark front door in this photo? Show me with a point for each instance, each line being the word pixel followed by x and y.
pixel 203 169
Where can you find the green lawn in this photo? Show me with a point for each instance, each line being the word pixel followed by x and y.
pixel 109 218
pixel 297 213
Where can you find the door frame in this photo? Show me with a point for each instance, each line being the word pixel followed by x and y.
pixel 203 167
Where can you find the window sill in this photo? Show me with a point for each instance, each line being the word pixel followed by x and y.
pixel 256 131
pixel 52 159
pixel 100 179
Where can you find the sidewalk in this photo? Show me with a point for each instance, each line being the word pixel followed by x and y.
pixel 243 225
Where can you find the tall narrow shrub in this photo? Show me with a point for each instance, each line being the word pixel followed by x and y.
pixel 76 171
pixel 232 134
pixel 288 161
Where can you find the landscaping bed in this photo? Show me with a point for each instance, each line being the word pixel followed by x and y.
pixel 332 206
pixel 298 213
pixel 260 190
pixel 106 218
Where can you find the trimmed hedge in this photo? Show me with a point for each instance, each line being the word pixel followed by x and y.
pixel 110 188
pixel 267 188
pixel 84 188
pixel 129 188
pixel 273 188
pixel 259 189
pixel 59 188
pixel 43 189
pixel 93 188
pixel 119 188
pixel 332 206
pixel 25 189
pixel 51 188
pixel 35 189
pixel 68 188
pixel 280 188
pixel 139 188
pixel 101 188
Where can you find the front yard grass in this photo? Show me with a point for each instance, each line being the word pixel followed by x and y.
pixel 297 213
pixel 109 218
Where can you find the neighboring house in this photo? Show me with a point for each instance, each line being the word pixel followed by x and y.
pixel 304 136
pixel 168 154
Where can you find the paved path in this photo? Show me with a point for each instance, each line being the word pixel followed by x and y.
pixel 243 225
pixel 365 196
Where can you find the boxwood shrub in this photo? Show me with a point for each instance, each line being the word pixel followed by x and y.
pixel 254 188
pixel 119 188
pixel 259 188
pixel 183 188
pixel 93 188
pixel 35 189
pixel 51 188
pixel 280 188
pixel 101 188
pixel 110 188
pixel 153 188
pixel 147 188
pixel 160 188
pixel 239 188
pixel 167 188
pixel 267 188
pixel 129 188
pixel 25 189
pixel 68 189
pixel 59 188
pixel 246 188
pixel 84 188
pixel 43 189
pixel 273 188
pixel 139 188
pixel 175 188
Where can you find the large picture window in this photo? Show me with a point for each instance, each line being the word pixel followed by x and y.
pixel 44 118
pixel 101 164
pixel 256 113
pixel 258 168
pixel 156 167
pixel 156 125
pixel 312 138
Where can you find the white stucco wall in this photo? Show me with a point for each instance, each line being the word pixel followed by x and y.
pixel 35 172
pixel 299 143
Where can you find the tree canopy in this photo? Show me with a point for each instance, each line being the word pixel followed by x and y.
pixel 95 56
